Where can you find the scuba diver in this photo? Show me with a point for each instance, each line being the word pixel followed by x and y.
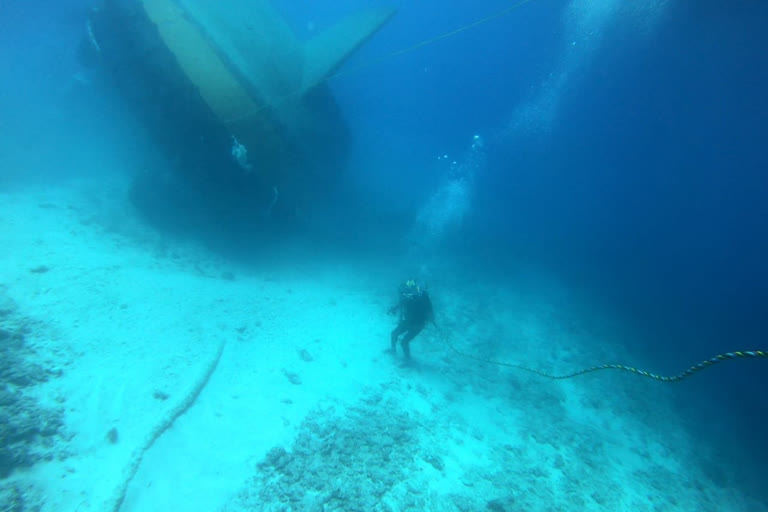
pixel 415 311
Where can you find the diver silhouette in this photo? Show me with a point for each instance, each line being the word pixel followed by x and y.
pixel 415 309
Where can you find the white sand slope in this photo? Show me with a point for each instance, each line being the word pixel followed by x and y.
pixel 136 324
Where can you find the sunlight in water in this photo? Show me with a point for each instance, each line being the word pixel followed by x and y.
pixel 443 214
pixel 586 24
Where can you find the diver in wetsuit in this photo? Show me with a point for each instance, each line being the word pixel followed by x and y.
pixel 415 311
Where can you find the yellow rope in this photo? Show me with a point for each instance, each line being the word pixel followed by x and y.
pixel 741 354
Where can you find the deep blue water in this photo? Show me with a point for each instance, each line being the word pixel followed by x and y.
pixel 648 186
pixel 645 182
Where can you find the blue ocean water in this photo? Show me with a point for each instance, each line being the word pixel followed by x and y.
pixel 626 151
pixel 619 147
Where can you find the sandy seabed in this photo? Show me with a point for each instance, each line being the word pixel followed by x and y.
pixel 186 382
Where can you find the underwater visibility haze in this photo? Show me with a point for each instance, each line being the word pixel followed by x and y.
pixel 383 255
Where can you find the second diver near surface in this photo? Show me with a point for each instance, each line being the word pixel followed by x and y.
pixel 415 310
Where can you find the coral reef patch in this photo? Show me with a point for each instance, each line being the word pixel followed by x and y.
pixel 29 430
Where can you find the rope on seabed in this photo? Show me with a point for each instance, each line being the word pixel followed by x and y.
pixel 160 429
pixel 741 354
